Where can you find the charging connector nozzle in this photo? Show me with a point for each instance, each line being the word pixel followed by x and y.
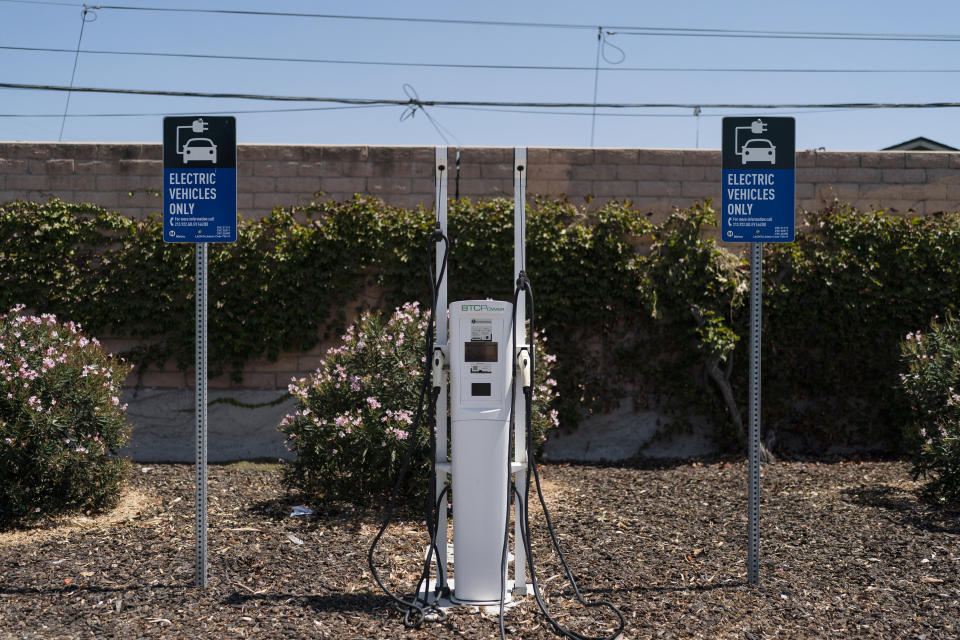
pixel 438 363
pixel 523 364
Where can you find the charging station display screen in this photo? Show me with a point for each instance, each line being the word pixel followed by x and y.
pixel 480 351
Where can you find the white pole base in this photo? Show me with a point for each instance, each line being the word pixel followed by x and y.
pixel 490 607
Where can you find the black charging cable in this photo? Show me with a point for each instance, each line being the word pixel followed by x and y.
pixel 418 609
pixel 524 285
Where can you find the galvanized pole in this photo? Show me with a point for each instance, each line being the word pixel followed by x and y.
pixel 756 311
pixel 200 501
pixel 520 453
pixel 442 465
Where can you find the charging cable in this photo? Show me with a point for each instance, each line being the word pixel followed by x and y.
pixel 527 373
pixel 419 609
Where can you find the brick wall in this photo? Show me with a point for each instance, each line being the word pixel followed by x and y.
pixel 128 178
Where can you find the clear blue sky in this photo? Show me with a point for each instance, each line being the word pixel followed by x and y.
pixel 57 26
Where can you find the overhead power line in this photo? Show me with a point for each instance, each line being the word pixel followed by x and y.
pixel 623 29
pixel 51 2
pixel 784 35
pixel 452 65
pixel 76 58
pixel 482 103
pixel 192 113
pixel 332 16
pixel 634 30
pixel 509 110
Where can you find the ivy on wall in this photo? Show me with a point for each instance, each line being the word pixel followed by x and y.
pixel 839 302
pixel 653 312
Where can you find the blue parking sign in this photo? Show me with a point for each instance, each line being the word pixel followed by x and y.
pixel 758 183
pixel 200 179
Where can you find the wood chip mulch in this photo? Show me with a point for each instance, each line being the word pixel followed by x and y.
pixel 847 552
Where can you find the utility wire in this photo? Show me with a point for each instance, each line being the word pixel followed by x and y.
pixel 596 84
pixel 374 106
pixel 329 16
pixel 415 105
pixel 73 74
pixel 485 103
pixel 192 113
pixel 775 35
pixel 452 65
pixel 61 4
pixel 632 115
pixel 624 29
pixel 851 34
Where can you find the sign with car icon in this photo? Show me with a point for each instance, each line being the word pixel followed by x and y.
pixel 199 149
pixel 758 185
pixel 758 150
pixel 200 179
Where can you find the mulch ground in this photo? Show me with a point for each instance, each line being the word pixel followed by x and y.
pixel 846 552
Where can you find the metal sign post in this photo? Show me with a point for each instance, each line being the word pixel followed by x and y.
pixel 753 435
pixel 200 501
pixel 200 206
pixel 758 205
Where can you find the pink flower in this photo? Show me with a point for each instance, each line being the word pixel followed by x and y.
pixel 373 403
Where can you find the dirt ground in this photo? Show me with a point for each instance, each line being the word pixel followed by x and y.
pixel 846 552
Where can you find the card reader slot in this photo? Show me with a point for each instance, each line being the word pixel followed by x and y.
pixel 480 389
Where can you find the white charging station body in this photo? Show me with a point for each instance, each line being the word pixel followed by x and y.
pixel 480 376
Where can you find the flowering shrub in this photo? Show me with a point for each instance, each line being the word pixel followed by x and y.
pixel 932 385
pixel 61 419
pixel 354 415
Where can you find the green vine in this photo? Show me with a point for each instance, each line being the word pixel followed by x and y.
pixel 631 309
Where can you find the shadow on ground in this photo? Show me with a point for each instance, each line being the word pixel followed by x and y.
pixel 334 602
pixel 905 507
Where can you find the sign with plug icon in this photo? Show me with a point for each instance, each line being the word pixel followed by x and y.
pixel 758 184
pixel 200 179
pixel 757 206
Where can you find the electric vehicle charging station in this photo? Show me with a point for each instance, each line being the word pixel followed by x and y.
pixel 478 351
pixel 480 378
pixel 476 365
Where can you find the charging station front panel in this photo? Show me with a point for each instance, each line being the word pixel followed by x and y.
pixel 480 331
pixel 480 376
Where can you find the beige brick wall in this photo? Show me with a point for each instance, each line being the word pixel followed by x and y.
pixel 128 178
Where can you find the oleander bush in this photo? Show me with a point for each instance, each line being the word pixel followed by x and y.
pixel 355 414
pixel 61 420
pixel 930 380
